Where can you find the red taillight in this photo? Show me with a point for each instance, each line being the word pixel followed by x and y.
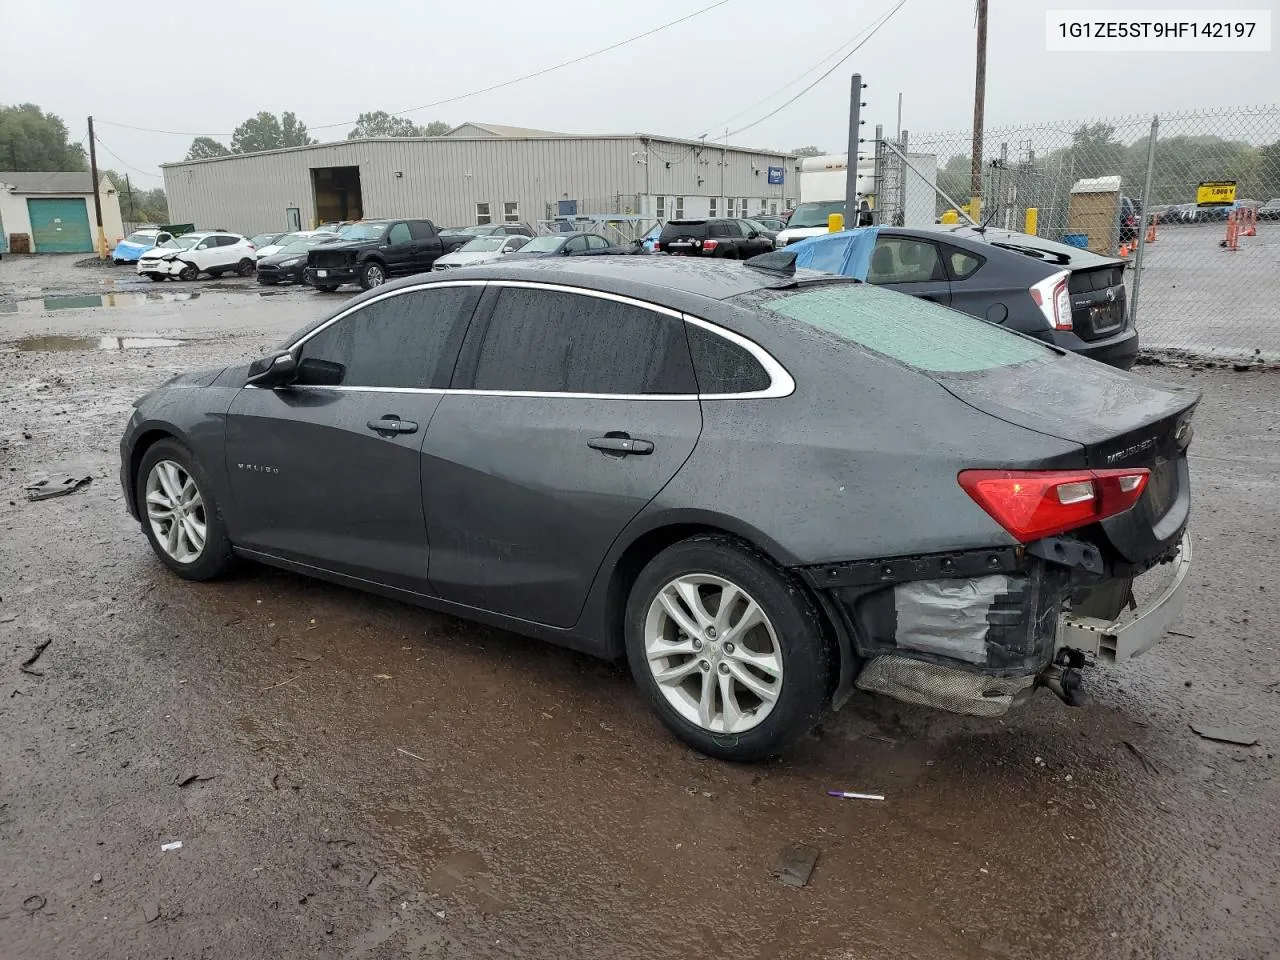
pixel 1031 504
pixel 1051 296
pixel 709 245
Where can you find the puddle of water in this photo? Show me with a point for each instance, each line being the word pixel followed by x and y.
pixel 93 300
pixel 95 343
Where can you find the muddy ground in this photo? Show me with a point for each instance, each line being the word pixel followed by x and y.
pixel 376 781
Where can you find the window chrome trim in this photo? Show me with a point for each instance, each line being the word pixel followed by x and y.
pixel 781 383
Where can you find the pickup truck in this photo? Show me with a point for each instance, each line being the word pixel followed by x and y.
pixel 373 251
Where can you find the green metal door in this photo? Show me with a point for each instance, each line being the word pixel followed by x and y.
pixel 60 226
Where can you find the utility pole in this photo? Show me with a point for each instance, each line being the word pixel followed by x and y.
pixel 851 165
pixel 979 105
pixel 128 187
pixel 97 198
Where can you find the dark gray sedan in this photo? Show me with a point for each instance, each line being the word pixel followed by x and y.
pixel 763 488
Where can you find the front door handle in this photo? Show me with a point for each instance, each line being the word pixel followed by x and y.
pixel 620 444
pixel 392 424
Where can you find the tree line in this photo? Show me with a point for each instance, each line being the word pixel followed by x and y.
pixel 1181 162
pixel 266 131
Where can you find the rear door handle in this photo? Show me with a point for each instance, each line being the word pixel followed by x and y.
pixel 620 445
pixel 393 425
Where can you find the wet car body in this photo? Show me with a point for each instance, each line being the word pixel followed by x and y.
pixel 805 437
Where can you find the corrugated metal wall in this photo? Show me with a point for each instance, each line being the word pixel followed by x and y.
pixel 444 179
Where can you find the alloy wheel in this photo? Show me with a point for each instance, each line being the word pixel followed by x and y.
pixel 714 653
pixel 373 275
pixel 175 510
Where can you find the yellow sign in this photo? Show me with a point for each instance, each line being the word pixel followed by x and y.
pixel 1216 193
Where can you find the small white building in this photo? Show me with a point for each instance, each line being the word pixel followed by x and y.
pixel 54 212
pixel 480 173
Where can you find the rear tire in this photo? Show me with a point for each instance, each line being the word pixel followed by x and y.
pixel 173 491
pixel 732 693
pixel 373 275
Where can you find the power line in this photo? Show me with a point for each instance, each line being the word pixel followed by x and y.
pixel 883 20
pixel 123 162
pixel 463 96
pixel 765 99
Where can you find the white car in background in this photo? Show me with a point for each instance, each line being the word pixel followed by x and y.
pixel 214 252
pixel 285 239
pixel 480 250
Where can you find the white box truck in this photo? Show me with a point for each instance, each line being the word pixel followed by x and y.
pixel 822 185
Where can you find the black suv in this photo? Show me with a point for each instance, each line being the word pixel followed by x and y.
pixel 372 251
pixel 727 239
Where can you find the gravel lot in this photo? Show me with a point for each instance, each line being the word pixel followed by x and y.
pixel 384 782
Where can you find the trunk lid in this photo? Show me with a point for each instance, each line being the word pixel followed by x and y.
pixel 1099 301
pixel 1120 420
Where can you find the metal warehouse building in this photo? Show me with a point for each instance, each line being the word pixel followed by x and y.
pixel 479 173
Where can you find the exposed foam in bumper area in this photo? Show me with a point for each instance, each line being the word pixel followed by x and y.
pixel 943 688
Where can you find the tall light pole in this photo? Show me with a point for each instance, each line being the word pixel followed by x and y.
pixel 979 103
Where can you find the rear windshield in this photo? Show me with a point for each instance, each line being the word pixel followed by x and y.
pixel 684 228
pixel 915 332
pixel 543 245
pixel 483 244
pixel 147 239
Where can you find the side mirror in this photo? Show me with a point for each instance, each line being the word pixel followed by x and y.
pixel 314 372
pixel 273 371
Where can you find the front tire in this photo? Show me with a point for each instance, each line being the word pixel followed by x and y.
pixel 180 515
pixel 373 275
pixel 727 648
pixel 245 267
pixel 189 272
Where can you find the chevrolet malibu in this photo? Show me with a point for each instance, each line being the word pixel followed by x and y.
pixel 764 488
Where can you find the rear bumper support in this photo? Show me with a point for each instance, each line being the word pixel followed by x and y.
pixel 1126 637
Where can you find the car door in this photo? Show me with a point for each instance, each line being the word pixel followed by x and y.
pixel 230 251
pixel 398 249
pixel 426 245
pixel 597 246
pixel 327 471
pixel 204 254
pixel 574 247
pixel 980 293
pixel 571 411
pixel 910 265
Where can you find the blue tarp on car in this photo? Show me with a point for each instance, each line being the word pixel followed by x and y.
pixel 847 253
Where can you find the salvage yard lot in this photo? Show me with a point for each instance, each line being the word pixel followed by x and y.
pixel 388 782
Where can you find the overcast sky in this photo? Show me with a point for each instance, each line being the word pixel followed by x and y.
pixel 328 60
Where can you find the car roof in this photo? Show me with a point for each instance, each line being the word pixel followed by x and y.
pixel 984 238
pixel 646 277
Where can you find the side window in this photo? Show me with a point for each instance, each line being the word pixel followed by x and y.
pixel 722 366
pixel 399 234
pixel 229 241
pixel 163 238
pixel 206 243
pixel 396 341
pixel 515 243
pixel 597 243
pixel 904 260
pixel 552 342
pixel 961 264
pixel 718 229
pixel 576 245
pixel 422 229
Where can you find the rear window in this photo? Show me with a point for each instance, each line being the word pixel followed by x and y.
pixel 696 229
pixel 903 328
pixel 147 239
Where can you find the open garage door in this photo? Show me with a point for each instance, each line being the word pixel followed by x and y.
pixel 60 225
pixel 337 193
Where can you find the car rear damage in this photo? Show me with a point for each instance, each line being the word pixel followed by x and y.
pixel 978 631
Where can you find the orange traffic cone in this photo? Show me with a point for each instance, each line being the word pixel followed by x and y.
pixel 1151 230
pixel 1124 249
pixel 1230 243
pixel 1250 223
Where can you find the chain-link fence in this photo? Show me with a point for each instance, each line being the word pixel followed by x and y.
pixel 1087 181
